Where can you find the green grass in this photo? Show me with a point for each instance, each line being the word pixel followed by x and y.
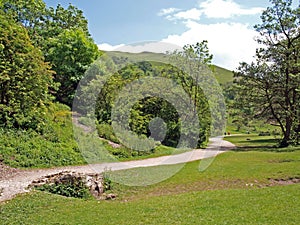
pixel 228 171
pixel 276 205
pixel 254 142
pixel 223 75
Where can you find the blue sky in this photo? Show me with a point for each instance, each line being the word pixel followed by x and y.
pixel 226 24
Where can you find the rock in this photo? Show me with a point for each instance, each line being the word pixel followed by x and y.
pixel 110 196
pixel 94 182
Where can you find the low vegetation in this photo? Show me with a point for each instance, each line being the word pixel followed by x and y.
pixel 52 145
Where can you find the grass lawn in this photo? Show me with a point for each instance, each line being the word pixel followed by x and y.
pixel 276 205
pixel 238 188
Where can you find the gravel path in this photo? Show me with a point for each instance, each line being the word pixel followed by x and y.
pixel 15 181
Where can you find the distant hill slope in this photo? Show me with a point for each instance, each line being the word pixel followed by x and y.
pixel 222 75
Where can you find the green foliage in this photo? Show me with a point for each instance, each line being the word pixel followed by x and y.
pixel 24 77
pixel 31 14
pixel 107 182
pixel 63 37
pixel 52 145
pixel 195 61
pixel 270 86
pixel 75 188
pixel 149 108
pixel 90 86
pixel 43 23
pixel 70 53
pixel 106 131
pixel 60 19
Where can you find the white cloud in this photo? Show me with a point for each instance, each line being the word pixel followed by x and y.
pixel 150 46
pixel 229 43
pixel 226 9
pixel 108 47
pixel 192 14
pixel 167 11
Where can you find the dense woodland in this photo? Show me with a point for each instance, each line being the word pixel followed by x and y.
pixel 45 52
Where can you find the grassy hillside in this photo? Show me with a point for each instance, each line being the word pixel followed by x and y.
pixel 222 75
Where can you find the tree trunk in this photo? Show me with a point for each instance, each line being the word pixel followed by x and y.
pixel 287 134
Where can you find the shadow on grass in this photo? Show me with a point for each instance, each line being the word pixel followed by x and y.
pixel 262 142
pixel 267 148
pixel 262 145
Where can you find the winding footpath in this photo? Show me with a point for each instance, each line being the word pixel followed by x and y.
pixel 18 181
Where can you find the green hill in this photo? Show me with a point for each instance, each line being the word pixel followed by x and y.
pixel 222 75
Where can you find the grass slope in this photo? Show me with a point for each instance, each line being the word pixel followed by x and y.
pixel 222 75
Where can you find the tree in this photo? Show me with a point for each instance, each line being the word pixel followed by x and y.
pixel 24 77
pixel 195 60
pixel 150 106
pixel 271 84
pixel 62 35
pixel 43 23
pixel 70 53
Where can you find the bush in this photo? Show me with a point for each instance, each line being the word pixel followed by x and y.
pixel 52 145
pixel 75 189
pixel 106 131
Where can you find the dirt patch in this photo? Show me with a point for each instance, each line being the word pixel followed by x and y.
pixel 288 181
pixel 283 161
pixel 7 172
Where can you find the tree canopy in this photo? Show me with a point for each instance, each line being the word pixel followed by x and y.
pixel 63 37
pixel 24 77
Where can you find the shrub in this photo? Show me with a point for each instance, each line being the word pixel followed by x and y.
pixel 106 131
pixel 75 189
pixel 52 145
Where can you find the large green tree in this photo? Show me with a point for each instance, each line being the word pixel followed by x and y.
pixel 24 77
pixel 62 35
pixel 271 85
pixel 70 54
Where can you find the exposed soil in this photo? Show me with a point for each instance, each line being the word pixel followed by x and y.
pixel 287 181
pixel 7 172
